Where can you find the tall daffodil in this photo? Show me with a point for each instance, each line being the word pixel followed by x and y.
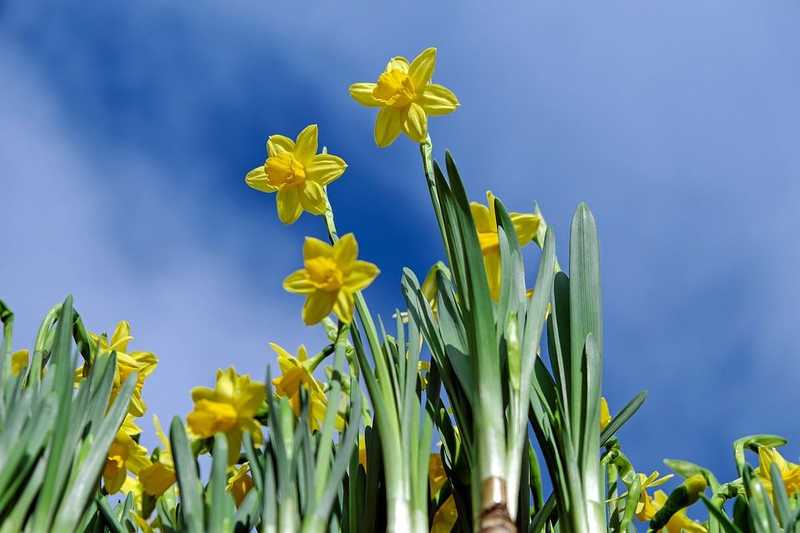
pixel 330 278
pixel 159 475
pixel 790 472
pixel 297 173
pixel 124 454
pixel 525 225
pixel 229 408
pixel 143 363
pixel 406 98
pixel 646 508
pixel 297 371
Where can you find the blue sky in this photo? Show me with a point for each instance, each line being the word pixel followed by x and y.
pixel 127 129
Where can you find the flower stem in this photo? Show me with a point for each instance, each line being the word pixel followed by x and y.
pixel 426 150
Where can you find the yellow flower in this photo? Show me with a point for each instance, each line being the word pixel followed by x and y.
pixel 646 509
pixel 19 362
pixel 525 225
pixel 790 472
pixel 143 363
pixel 605 414
pixel 330 278
pixel 240 482
pixel 407 97
pixel 362 451
pixel 229 408
pixel 297 173
pixel 124 454
pixel 157 477
pixel 447 514
pixel 679 523
pixel 297 371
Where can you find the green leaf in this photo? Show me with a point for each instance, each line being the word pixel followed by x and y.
pixel 188 481
pixel 621 417
pixel 220 506
pixel 720 515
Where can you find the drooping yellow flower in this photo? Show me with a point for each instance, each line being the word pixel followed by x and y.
pixel 124 454
pixel 297 173
pixel 158 476
pixel 406 98
pixel 679 523
pixel 240 482
pixel 19 362
pixel 330 278
pixel 525 225
pixel 229 408
pixel 143 363
pixel 646 509
pixel 297 371
pixel 447 514
pixel 790 472
pixel 605 414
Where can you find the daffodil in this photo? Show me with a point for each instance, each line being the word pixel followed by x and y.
pixel 143 363
pixel 447 514
pixel 124 454
pixel 297 371
pixel 240 482
pixel 605 414
pixel 525 226
pixel 645 508
pixel 297 173
pixel 406 98
pixel 790 472
pixel 19 362
pixel 229 408
pixel 330 278
pixel 679 523
pixel 159 475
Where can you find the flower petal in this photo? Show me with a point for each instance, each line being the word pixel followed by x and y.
pixel 361 274
pixel 318 305
pixel 288 201
pixel 388 125
pixel 362 93
pixel 279 143
pixel 491 262
pixel 324 168
pixel 345 252
pixel 526 226
pixel 416 123
pixel 397 63
pixel 306 146
pixel 484 222
pixel 316 248
pixel 312 198
pixel 298 283
pixel 344 306
pixel 421 69
pixel 438 100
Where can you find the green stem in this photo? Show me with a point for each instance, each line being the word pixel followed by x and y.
pixel 426 150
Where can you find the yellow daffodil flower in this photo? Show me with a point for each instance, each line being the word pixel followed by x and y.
pixel 124 454
pixel 296 372
pixel 297 173
pixel 646 509
pixel 790 472
pixel 679 523
pixel 330 278
pixel 447 514
pixel 19 362
pixel 605 414
pixel 158 476
pixel 406 98
pixel 240 482
pixel 362 450
pixel 143 363
pixel 525 225
pixel 229 408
